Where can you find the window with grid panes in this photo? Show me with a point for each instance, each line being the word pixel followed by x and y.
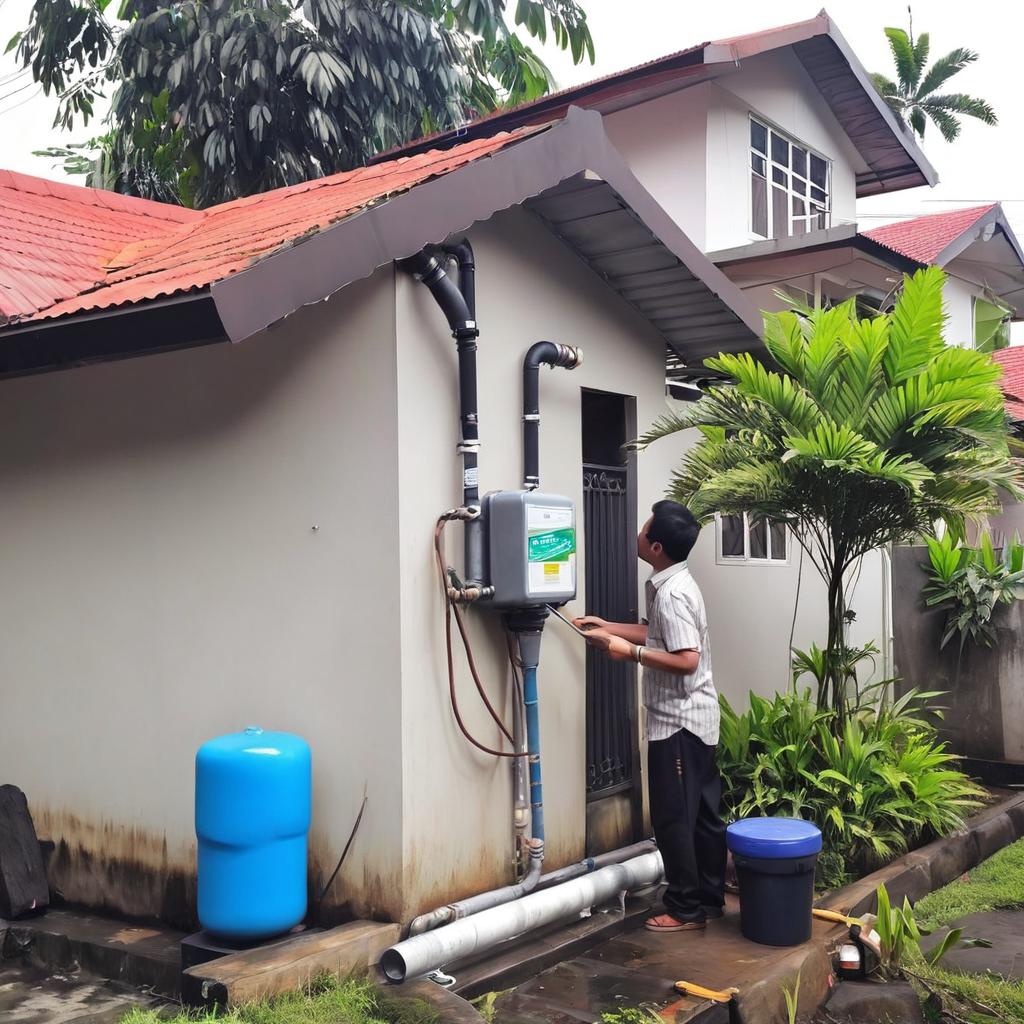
pixel 789 185
pixel 742 538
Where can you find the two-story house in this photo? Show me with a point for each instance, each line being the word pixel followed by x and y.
pixel 199 536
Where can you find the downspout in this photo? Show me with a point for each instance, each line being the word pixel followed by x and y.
pixel 458 303
pixel 544 352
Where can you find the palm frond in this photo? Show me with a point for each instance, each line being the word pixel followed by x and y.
pixel 885 86
pixel 906 60
pixel 922 47
pixel 947 124
pixel 961 103
pixel 944 69
pixel 915 334
pixel 917 121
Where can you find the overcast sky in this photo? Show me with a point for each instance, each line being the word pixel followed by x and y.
pixel 985 164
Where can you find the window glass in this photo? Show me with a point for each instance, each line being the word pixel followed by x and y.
pixel 758 164
pixel 778 540
pixel 780 211
pixel 780 149
pixel 732 537
pixel 758 137
pixel 799 216
pixel 759 539
pixel 758 206
pixel 819 171
pixel 800 161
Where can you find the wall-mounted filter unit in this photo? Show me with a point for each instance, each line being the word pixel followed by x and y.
pixel 531 538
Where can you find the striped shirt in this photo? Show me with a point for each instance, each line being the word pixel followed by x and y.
pixel 676 621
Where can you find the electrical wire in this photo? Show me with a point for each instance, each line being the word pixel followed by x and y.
pixel 451 609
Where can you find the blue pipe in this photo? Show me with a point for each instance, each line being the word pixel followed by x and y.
pixel 532 701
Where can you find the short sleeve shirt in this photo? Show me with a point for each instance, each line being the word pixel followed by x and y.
pixel 676 621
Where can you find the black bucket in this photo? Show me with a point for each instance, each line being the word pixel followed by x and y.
pixel 775 860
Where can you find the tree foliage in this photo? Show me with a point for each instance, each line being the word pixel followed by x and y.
pixel 855 433
pixel 214 99
pixel 914 94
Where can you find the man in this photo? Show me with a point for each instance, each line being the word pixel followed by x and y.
pixel 682 719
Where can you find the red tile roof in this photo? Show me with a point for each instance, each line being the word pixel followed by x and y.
pixel 1012 361
pixel 924 238
pixel 66 249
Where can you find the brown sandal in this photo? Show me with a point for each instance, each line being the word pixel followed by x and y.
pixel 668 923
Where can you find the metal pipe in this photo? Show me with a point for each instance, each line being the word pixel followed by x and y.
pixel 529 655
pixel 551 354
pixel 428 951
pixel 458 303
pixel 591 864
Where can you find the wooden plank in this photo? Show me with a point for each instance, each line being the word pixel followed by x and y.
pixel 286 965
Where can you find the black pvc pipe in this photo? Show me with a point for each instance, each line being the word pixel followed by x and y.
pixel 550 354
pixel 458 303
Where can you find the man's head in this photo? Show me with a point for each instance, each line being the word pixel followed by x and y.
pixel 668 535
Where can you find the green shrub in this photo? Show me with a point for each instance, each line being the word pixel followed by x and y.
pixel 879 787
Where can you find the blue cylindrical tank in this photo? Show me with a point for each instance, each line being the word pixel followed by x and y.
pixel 253 796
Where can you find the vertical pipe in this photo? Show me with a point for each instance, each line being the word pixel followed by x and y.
pixel 532 702
pixel 529 654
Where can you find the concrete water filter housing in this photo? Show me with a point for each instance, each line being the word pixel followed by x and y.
pixel 253 807
pixel 531 540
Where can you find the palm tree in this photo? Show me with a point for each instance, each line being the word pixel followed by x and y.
pixel 914 99
pixel 863 433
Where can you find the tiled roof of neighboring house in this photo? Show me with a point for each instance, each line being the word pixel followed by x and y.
pixel 1012 361
pixel 924 238
pixel 56 238
pixel 66 249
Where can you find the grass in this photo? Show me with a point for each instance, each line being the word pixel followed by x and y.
pixel 997 884
pixel 326 1001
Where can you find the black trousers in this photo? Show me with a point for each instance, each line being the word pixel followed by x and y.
pixel 685 790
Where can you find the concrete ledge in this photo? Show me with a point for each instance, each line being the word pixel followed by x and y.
pixel 138 955
pixel 992 835
pixel 287 965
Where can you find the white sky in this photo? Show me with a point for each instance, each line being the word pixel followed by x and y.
pixel 985 164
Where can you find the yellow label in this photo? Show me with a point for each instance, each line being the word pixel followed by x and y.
pixel 552 568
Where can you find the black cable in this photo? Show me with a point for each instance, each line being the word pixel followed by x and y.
pixel 344 853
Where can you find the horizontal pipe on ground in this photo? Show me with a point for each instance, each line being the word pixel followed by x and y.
pixel 454 942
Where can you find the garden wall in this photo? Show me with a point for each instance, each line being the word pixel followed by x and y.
pixel 984 687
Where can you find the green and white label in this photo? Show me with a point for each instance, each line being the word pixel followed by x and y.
pixel 550 549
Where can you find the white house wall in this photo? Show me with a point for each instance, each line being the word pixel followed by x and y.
pixel 191 543
pixel 664 142
pixel 457 802
pixel 691 148
pixel 958 300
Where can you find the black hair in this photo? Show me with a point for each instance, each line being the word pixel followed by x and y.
pixel 674 527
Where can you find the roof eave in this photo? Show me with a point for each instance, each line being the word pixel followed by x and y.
pixel 353 249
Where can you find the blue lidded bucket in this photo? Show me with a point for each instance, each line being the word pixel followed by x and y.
pixel 775 860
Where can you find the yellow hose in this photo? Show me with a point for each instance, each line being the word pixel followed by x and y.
pixel 834 915
pixel 689 989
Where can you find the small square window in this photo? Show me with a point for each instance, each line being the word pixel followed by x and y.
pixel 741 538
pixel 780 150
pixel 800 161
pixel 758 164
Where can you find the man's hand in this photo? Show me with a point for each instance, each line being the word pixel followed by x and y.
pixel 586 622
pixel 614 646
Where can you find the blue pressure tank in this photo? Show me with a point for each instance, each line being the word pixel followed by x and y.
pixel 253 793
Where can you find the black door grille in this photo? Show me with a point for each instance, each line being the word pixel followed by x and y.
pixel 611 593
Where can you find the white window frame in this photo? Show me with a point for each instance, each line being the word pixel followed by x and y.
pixel 745 558
pixel 791 187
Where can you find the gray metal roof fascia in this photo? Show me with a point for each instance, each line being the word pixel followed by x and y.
pixel 792 245
pixel 307 273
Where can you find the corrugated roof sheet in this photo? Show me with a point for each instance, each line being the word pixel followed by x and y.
pixel 66 249
pixel 56 238
pixel 1012 361
pixel 924 238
